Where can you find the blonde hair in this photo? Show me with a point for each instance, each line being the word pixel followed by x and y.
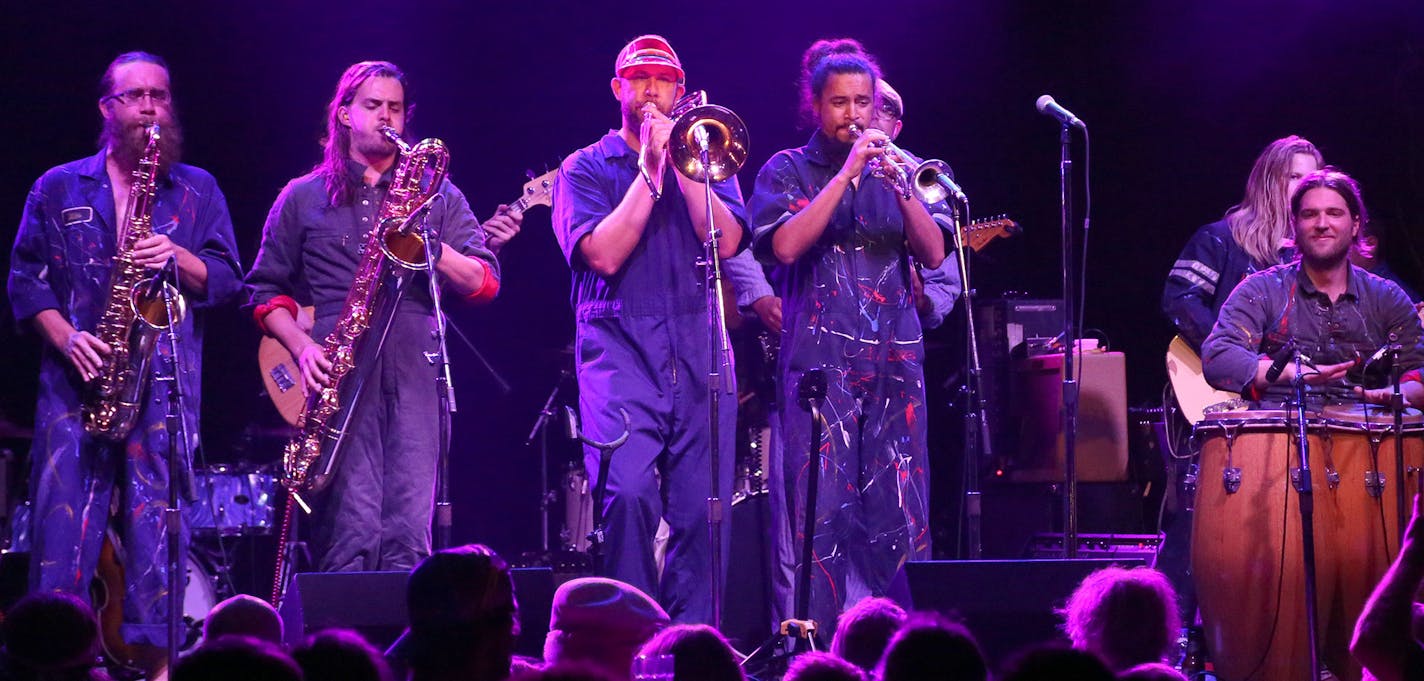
pixel 1263 218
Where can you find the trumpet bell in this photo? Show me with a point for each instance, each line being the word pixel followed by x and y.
pixel 726 143
pixel 927 187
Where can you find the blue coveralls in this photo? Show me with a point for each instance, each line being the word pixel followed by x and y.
pixel 376 514
pixel 848 307
pixel 643 344
pixel 61 261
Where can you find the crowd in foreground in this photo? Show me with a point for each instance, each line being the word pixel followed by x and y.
pixel 464 622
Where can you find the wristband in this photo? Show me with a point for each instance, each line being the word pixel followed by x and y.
pixel 259 314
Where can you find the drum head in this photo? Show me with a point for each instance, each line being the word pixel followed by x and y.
pixel 1369 414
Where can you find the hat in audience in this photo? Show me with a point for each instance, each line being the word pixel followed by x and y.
pixel 601 620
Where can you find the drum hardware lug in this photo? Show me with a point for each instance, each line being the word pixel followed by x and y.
pixel 1231 479
pixel 1297 480
pixel 1332 478
pixel 1189 482
pixel 1374 483
pixel 1230 433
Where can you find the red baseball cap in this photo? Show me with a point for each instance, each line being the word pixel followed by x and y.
pixel 648 50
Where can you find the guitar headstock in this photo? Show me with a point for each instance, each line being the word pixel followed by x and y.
pixel 539 191
pixel 978 234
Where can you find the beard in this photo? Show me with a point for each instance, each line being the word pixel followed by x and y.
pixel 633 114
pixel 127 141
pixel 373 146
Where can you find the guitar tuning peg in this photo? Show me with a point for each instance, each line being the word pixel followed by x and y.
pixel 530 173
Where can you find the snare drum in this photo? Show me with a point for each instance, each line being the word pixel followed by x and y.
pixel 233 501
pixel 1246 534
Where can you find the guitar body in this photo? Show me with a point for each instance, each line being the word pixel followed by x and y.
pixel 280 373
pixel 1194 394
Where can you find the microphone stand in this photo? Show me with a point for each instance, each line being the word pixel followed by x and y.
pixel 1070 342
pixel 444 387
pixel 1396 407
pixel 1300 478
pixel 541 431
pixel 978 446
pixel 179 463
pixel 720 366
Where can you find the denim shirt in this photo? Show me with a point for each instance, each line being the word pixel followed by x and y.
pixel 311 249
pixel 63 253
pixel 1278 304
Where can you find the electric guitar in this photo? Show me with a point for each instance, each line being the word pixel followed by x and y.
pixel 977 235
pixel 1194 394
pixel 281 375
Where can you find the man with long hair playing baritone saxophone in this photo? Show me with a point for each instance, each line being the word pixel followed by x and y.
pixel 644 340
pixel 376 513
pixel 70 244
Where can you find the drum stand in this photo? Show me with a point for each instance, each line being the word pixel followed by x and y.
pixel 179 462
pixel 605 461
pixel 1300 479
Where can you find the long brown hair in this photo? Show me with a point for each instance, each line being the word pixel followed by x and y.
pixel 1263 218
pixel 336 143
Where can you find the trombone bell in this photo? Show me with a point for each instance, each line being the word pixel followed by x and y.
pixel 726 138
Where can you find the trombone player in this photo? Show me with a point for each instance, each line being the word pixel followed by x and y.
pixel 632 230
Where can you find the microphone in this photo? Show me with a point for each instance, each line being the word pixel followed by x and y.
pixel 1279 362
pixel 1048 107
pixel 419 212
pixel 165 275
pixel 811 389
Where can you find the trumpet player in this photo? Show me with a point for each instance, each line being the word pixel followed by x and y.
pixel 76 221
pixel 376 513
pixel 838 241
pixel 632 229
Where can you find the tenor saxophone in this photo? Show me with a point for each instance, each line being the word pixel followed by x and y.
pixel 309 458
pixel 134 315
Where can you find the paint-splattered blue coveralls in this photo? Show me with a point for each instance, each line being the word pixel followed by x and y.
pixel 61 261
pixel 848 307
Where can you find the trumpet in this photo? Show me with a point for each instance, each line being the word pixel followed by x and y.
pixel 708 142
pixel 929 181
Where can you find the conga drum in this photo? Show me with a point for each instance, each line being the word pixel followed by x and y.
pixel 1246 547
pixel 1246 535
pixel 1357 509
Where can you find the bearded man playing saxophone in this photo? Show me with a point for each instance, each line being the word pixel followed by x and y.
pixel 63 259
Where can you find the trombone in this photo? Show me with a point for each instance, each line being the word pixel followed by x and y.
pixel 708 142
pixel 929 181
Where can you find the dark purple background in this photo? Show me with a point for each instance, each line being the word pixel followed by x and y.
pixel 1180 98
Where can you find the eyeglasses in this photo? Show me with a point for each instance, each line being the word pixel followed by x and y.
pixel 136 95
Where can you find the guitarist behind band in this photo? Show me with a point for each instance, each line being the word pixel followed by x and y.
pixel 1253 235
pixel 376 514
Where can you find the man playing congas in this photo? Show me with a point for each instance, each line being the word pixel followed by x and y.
pixel 1337 314
pixel 1247 532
